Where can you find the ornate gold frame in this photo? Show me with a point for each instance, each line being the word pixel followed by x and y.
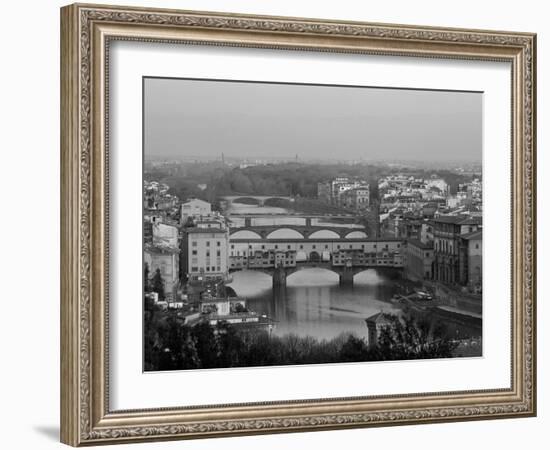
pixel 86 31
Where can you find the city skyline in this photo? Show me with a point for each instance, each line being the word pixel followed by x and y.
pixel 200 119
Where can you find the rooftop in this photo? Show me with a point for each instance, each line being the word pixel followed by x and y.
pixel 197 230
pixel 419 244
pixel 380 318
pixel 475 235
pixel 458 220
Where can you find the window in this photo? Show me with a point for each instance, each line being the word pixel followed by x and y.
pixel 338 247
pixel 207 253
pixel 219 269
pixel 208 268
pixel 398 245
pixel 313 246
pixel 301 247
pixel 194 269
pixel 218 253
pixel 263 247
pixel 477 246
pixel 219 244
pixel 276 246
pixel 232 246
pixel 194 243
pixel 213 269
pixel 288 247
pixel 208 243
pixel 350 246
pixel 194 252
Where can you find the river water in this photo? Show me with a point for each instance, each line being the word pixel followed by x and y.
pixel 314 304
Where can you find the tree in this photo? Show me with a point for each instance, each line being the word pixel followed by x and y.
pixel 157 285
pixel 354 349
pixel 405 338
pixel 146 286
pixel 206 345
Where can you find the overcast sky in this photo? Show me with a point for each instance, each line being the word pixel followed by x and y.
pixel 188 118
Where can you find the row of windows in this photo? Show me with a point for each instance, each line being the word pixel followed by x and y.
pixel 207 268
pixel 314 246
pixel 194 243
pixel 218 252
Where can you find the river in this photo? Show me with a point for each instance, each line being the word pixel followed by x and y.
pixel 314 304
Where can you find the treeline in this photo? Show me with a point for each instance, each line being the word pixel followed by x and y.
pixel 170 345
pixel 294 179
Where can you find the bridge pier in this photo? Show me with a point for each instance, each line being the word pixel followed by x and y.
pixel 279 278
pixel 346 277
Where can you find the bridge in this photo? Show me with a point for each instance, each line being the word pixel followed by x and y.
pixel 346 272
pixel 260 200
pixel 282 251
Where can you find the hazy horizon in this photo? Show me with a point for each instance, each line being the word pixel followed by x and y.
pixel 203 118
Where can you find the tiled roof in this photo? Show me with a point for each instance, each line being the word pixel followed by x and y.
pixel 458 220
pixel 380 318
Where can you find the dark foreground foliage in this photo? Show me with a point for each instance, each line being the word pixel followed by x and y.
pixel 171 345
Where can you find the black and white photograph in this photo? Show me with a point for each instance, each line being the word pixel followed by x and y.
pixel 288 224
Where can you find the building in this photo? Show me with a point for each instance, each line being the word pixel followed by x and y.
pixel 355 198
pixel 473 246
pixel 375 325
pixel 166 259
pixel 437 184
pixel 193 208
pixel 335 192
pixel 450 254
pixel 257 253
pixel 426 232
pixel 419 260
pixel 164 234
pixel 206 252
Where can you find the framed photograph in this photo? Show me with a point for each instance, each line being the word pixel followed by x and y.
pixel 274 224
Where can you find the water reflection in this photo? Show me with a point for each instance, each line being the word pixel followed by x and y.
pixel 314 304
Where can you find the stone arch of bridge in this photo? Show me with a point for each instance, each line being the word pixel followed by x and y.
pixel 355 234
pixel 324 233
pixel 245 234
pixel 326 267
pixel 285 232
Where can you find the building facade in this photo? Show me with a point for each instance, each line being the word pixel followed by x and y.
pixel 450 249
pixel 166 259
pixel 207 253
pixel 473 245
pixel 419 260
pixel 355 198
pixel 194 208
pixel 375 325
pixel 345 192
